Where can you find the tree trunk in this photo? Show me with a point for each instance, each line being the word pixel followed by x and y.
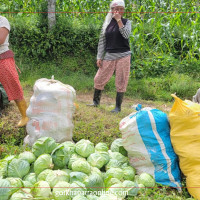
pixel 51 13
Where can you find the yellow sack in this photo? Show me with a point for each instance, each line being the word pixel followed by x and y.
pixel 184 120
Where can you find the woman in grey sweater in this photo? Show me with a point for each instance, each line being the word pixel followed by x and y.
pixel 113 54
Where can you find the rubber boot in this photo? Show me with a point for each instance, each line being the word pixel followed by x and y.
pixel 22 108
pixel 96 98
pixel 119 99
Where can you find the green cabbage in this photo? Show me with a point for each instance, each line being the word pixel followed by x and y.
pixel 42 176
pixel 96 160
pixel 78 176
pixel 41 189
pixel 118 190
pixel 43 162
pixel 113 164
pixel 105 155
pixel 96 171
pixel 92 197
pixel 73 158
pixel 111 181
pixel 131 187
pixel 129 173
pixel 81 166
pixel 77 188
pixel 61 191
pixel 28 156
pixel 147 180
pixel 19 195
pixel 31 178
pixel 44 145
pixel 18 168
pixel 117 146
pixel 79 197
pixel 4 189
pixel 101 147
pixel 109 197
pixel 55 176
pixel 70 146
pixel 60 156
pixel 114 173
pixel 85 148
pixel 4 165
pixel 15 183
pixel 118 156
pixel 27 184
pixel 94 183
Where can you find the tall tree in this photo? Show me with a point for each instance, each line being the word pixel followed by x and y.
pixel 51 13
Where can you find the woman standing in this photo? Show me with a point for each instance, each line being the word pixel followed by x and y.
pixel 8 74
pixel 113 54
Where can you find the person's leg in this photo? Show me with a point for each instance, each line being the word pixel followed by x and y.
pixel 121 80
pixel 10 80
pixel 102 77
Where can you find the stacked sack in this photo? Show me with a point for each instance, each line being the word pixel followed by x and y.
pixel 185 136
pixel 146 137
pixel 50 111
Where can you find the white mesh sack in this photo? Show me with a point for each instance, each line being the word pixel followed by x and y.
pixel 50 111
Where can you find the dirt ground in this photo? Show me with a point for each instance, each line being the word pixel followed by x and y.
pixel 11 114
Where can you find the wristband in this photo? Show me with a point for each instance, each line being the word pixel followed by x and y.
pixel 118 20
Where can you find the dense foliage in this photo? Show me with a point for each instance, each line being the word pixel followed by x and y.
pixel 165 34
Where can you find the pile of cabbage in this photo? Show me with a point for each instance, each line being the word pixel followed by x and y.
pixel 70 170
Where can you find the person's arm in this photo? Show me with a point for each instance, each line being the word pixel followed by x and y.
pixel 3 34
pixel 101 48
pixel 125 30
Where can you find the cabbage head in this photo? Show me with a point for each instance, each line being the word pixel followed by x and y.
pixel 96 160
pixel 105 155
pixel 95 183
pixel 131 187
pixel 95 170
pixel 70 146
pixel 118 190
pixel 147 180
pixel 101 146
pixel 28 156
pixel 117 146
pixel 42 176
pixel 4 165
pixel 19 195
pixel 41 189
pixel 113 164
pixel 15 183
pixel 18 168
pixel 61 191
pixel 27 184
pixel 60 156
pixel 44 145
pixel 81 166
pixel 43 162
pixel 118 156
pixel 92 197
pixel 78 176
pixel 32 178
pixel 55 176
pixel 80 197
pixel 4 189
pixel 129 173
pixel 77 188
pixel 67 171
pixel 85 148
pixel 111 181
pixel 114 173
pixel 109 197
pixel 73 158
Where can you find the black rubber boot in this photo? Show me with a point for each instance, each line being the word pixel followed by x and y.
pixel 96 98
pixel 119 99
